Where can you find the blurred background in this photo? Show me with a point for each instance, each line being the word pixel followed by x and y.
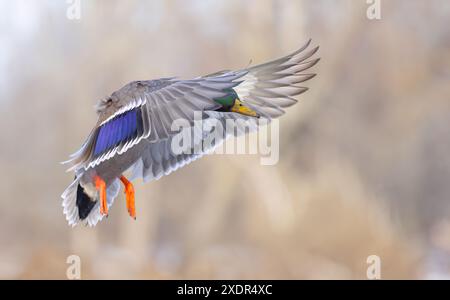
pixel 364 157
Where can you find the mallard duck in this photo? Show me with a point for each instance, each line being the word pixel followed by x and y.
pixel 134 129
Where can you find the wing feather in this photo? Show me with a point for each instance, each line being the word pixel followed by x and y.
pixel 269 87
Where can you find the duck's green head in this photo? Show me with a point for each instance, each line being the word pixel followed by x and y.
pixel 231 103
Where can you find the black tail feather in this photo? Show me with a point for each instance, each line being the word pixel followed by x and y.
pixel 84 203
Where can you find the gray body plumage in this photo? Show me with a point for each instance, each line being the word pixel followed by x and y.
pixel 266 88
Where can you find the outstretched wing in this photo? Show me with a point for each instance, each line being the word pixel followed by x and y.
pixel 150 109
pixel 270 87
pixel 266 88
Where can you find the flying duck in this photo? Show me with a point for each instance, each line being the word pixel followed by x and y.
pixel 135 128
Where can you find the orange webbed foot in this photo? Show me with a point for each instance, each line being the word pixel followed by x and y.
pixel 129 193
pixel 100 185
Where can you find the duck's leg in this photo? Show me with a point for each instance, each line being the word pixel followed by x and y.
pixel 129 193
pixel 100 185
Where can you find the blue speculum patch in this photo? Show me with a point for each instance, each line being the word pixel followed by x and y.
pixel 118 130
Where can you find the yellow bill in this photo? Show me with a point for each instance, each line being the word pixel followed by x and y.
pixel 240 108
